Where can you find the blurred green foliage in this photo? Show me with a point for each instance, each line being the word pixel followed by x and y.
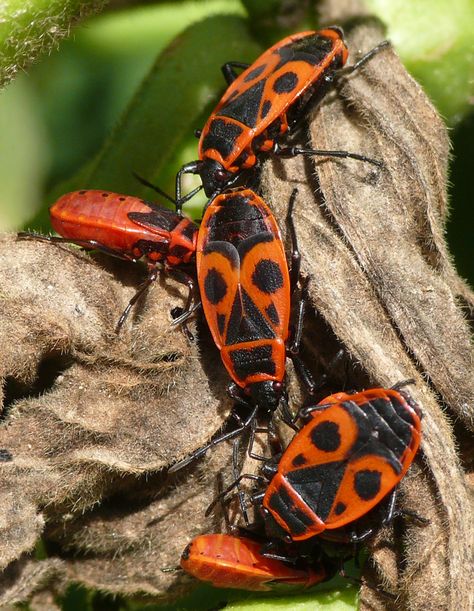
pixel 55 119
pixel 105 84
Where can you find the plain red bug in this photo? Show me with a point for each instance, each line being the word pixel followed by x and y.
pixel 128 228
pixel 267 101
pixel 227 561
pixel 351 454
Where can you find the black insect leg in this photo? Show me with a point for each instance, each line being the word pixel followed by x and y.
pixel 152 275
pixel 150 185
pixel 230 435
pixel 295 263
pixel 267 551
pixel 235 469
pixel 293 348
pixel 221 498
pixel 385 44
pixel 400 385
pixel 189 168
pixel 191 305
pixel 286 416
pixel 390 513
pixel 228 70
pixel 87 244
pixel 273 439
pixel 292 151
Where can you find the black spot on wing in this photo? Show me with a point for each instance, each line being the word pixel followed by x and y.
pixel 244 108
pixel 299 460
pixel 253 74
pixel 221 137
pixel 367 484
pixel 285 83
pixel 272 314
pixel 267 276
pixel 325 436
pixel 340 508
pixel 215 286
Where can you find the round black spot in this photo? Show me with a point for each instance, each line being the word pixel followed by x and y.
pixel 367 484
pixel 105 194
pixel 82 192
pixel 326 437
pixel 265 108
pixel 339 508
pixel 267 276
pixel 122 199
pixel 215 286
pixel 299 460
pixel 285 83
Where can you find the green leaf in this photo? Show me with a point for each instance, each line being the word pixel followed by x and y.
pixel 173 100
pixel 31 27
pixel 434 39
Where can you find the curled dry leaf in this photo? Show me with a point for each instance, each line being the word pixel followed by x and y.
pixel 381 284
pixel 380 276
pixel 87 413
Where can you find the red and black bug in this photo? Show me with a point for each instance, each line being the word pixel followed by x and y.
pixel 128 228
pixel 246 288
pixel 227 561
pixel 265 102
pixel 352 452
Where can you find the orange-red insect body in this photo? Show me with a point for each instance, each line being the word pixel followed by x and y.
pixel 264 102
pixel 227 561
pixel 125 225
pixel 245 291
pixel 351 454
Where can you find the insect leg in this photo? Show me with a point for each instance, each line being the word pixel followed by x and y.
pixel 152 275
pixel 292 151
pixel 221 497
pixel 385 44
pixel 295 253
pixel 190 306
pixel 226 436
pixel 228 70
pixel 88 244
pixel 189 168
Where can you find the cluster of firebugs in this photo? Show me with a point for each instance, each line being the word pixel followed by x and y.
pixel 349 451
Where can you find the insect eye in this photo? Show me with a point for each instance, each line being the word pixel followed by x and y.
pixel 221 175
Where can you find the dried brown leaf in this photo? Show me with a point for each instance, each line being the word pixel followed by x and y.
pixel 91 448
pixel 372 244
